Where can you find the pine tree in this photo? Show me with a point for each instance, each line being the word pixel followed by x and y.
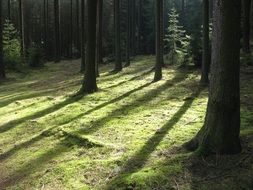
pixel 176 40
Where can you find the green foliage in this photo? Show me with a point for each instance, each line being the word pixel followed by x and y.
pixel 176 41
pixel 11 45
pixel 35 56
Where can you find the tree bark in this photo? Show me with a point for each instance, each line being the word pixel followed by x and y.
pixel 9 9
pixel 71 29
pixel 57 31
pixel 2 66
pixel 78 28
pixel 118 63
pixel 246 25
pixel 22 28
pixel 83 35
pixel 89 83
pixel 206 59
pixel 99 35
pixel 128 34
pixel 159 40
pixel 220 133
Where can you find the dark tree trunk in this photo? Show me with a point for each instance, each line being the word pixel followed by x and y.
pixel 45 40
pixel 206 59
pixel 78 28
pixel 139 27
pixel 220 133
pixel 71 29
pixel 9 9
pixel 246 25
pixel 133 27
pixel 118 63
pixel 22 27
pixel 89 83
pixel 2 67
pixel 99 35
pixel 83 35
pixel 57 31
pixel 128 34
pixel 159 40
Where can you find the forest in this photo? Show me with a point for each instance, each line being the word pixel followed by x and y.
pixel 126 95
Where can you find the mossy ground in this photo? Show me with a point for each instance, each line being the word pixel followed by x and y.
pixel 128 135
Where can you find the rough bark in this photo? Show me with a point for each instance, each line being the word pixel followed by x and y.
pixel 128 34
pixel 206 59
pixel 118 62
pixel 83 36
pixel 71 29
pixel 57 31
pixel 78 28
pixel 2 68
pixel 246 5
pixel 89 83
pixel 159 40
pixel 99 35
pixel 220 133
pixel 22 28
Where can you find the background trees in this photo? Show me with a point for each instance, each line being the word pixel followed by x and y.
pixel 2 69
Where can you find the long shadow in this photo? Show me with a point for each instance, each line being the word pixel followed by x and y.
pixel 14 123
pixel 131 79
pixel 32 166
pixel 140 101
pixel 40 136
pixel 140 158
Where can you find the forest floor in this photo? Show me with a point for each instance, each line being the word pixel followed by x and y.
pixel 128 135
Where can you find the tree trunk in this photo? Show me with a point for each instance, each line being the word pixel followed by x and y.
pixel 205 44
pixel 83 36
pixel 57 31
pixel 45 40
pixel 89 83
pixel 78 28
pixel 22 28
pixel 128 34
pixel 246 25
pixel 118 63
pixel 133 27
pixel 220 133
pixel 9 9
pixel 2 67
pixel 71 29
pixel 99 35
pixel 159 40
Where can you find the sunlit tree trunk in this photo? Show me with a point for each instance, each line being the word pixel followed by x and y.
pixel 99 34
pixel 89 83
pixel 220 133
pixel 118 62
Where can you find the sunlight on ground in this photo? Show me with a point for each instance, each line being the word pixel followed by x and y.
pixel 125 136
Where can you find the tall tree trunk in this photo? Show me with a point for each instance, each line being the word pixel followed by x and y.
pixel 71 29
pixel 205 44
pixel 9 9
pixel 220 133
pixel 246 25
pixel 159 40
pixel 128 34
pixel 2 67
pixel 99 35
pixel 118 63
pixel 78 28
pixel 57 31
pixel 139 27
pixel 89 83
pixel 133 28
pixel 22 27
pixel 45 40
pixel 83 35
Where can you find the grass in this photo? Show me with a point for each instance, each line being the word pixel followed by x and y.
pixel 128 135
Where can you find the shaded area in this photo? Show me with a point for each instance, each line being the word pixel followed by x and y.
pixel 139 159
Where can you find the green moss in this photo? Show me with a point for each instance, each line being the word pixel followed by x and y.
pixel 124 136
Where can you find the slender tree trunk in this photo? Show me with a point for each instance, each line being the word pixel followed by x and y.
pixel 71 29
pixel 99 35
pixel 118 63
pixel 246 25
pixel 159 40
pixel 139 27
pixel 206 59
pixel 2 67
pixel 83 35
pixel 22 28
pixel 78 28
pixel 9 9
pixel 45 10
pixel 128 34
pixel 89 83
pixel 133 27
pixel 220 133
pixel 57 31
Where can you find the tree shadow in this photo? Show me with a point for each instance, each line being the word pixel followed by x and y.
pixel 14 123
pixel 140 158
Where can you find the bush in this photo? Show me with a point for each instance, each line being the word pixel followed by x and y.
pixel 11 46
pixel 35 56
